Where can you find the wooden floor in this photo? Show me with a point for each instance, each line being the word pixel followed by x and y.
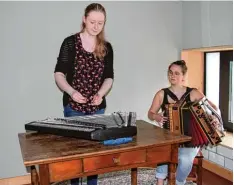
pixel 209 178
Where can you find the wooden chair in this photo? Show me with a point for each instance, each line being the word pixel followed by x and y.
pixel 196 172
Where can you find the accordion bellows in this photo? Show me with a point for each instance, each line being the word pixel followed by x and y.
pixel 193 119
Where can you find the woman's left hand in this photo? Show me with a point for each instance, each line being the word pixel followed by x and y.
pixel 214 121
pixel 97 100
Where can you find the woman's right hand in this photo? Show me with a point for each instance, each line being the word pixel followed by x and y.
pixel 77 97
pixel 159 118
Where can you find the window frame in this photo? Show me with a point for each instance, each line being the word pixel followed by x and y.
pixel 224 72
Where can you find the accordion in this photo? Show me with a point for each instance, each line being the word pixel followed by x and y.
pixel 194 119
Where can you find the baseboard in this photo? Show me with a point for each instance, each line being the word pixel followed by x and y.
pixel 217 169
pixel 19 180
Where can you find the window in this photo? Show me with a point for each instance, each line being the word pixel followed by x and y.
pixel 230 105
pixel 219 83
pixel 212 77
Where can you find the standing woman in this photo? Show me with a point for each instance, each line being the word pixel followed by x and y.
pixel 84 70
pixel 176 74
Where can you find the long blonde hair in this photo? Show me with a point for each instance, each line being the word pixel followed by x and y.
pixel 100 48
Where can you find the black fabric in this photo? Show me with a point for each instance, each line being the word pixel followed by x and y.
pixel 65 65
pixel 171 94
pixel 167 92
pixel 185 97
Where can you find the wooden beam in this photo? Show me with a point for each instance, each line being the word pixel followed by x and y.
pixel 217 169
pixel 195 62
pixel 19 180
pixel 210 49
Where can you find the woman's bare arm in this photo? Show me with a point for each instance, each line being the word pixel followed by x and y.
pixel 62 84
pixel 156 104
pixel 106 86
pixel 197 95
pixel 65 87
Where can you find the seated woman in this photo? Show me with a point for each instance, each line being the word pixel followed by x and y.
pixel 186 155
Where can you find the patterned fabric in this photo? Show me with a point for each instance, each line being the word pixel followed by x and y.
pixel 66 60
pixel 87 77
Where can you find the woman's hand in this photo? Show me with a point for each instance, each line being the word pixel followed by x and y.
pixel 97 99
pixel 77 97
pixel 159 118
pixel 215 122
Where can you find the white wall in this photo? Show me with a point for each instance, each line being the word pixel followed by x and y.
pixel 192 36
pixel 207 23
pixel 146 37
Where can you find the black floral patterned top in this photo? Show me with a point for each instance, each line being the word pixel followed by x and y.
pixel 84 72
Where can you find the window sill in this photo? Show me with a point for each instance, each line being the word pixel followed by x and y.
pixel 228 140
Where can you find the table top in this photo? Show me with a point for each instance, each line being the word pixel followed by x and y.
pixel 46 148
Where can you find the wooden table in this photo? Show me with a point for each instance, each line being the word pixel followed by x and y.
pixel 62 158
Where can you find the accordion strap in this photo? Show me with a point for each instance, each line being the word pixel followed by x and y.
pixel 185 95
pixel 171 94
pixel 174 97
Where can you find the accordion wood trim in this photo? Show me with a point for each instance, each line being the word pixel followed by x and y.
pixel 199 127
pixel 205 124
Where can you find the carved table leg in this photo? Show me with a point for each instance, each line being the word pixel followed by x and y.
pixel 34 176
pixel 44 174
pixel 172 174
pixel 134 176
pixel 172 165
